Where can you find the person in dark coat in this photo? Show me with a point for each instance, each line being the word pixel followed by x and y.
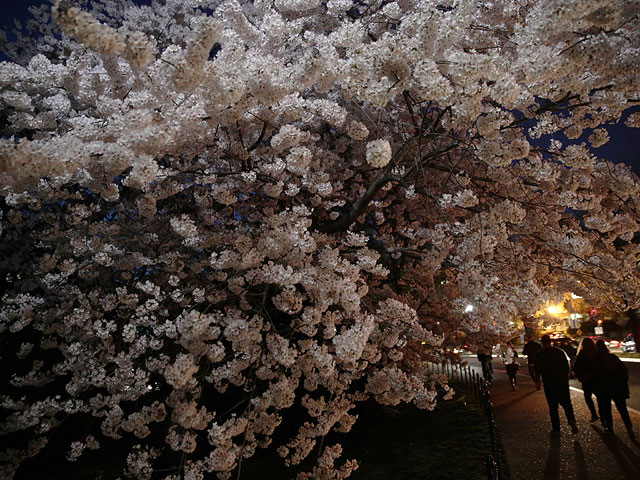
pixel 610 382
pixel 484 356
pixel 552 365
pixel 569 349
pixel 582 369
pixel 530 349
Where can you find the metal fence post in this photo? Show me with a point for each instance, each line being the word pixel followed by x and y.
pixel 479 387
pixel 492 463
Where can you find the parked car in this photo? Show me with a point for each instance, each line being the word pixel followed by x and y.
pixel 628 344
pixel 558 340
pixel 462 349
pixel 613 343
pixel 565 343
pixel 609 342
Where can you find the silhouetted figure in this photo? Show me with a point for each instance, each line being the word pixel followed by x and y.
pixel 484 355
pixel 530 349
pixel 610 382
pixel 569 349
pixel 582 369
pixel 552 365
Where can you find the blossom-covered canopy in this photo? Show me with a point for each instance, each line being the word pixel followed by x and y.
pixel 215 213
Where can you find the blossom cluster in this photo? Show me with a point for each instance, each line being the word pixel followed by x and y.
pixel 218 213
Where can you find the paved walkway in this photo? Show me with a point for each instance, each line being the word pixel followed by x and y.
pixel 532 452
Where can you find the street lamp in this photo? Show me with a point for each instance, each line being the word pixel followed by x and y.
pixel 553 309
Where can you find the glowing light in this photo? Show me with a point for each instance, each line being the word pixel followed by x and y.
pixel 468 309
pixel 553 309
pixel 556 309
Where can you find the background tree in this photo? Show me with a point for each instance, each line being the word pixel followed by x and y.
pixel 218 215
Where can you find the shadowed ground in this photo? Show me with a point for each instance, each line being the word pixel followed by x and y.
pixel 531 452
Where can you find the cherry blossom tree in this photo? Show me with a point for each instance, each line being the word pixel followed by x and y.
pixel 217 213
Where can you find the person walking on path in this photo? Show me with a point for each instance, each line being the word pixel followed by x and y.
pixel 510 360
pixel 582 369
pixel 570 350
pixel 484 356
pixel 552 365
pixel 530 349
pixel 610 382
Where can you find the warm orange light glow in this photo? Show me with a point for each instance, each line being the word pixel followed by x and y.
pixel 555 310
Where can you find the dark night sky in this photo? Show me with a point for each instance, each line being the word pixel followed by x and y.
pixel 12 9
pixel 624 145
